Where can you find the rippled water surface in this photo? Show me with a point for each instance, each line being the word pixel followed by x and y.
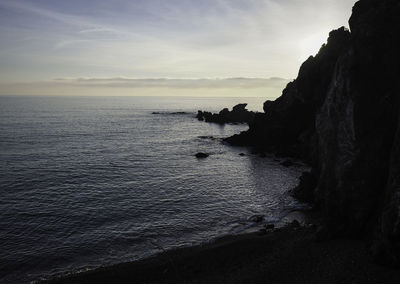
pixel 94 181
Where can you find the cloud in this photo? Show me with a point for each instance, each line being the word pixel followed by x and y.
pixel 158 38
pixel 232 87
pixel 244 83
pixel 99 30
pixel 56 16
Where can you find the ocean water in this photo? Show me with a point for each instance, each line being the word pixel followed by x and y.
pixel 93 181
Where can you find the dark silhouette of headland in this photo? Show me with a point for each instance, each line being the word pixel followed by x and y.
pixel 342 116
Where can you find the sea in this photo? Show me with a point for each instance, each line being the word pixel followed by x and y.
pixel 94 181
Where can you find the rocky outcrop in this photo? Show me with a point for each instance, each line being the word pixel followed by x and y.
pixel 342 115
pixel 288 124
pixel 239 114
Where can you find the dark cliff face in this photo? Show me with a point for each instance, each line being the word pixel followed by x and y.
pixel 357 124
pixel 288 125
pixel 342 115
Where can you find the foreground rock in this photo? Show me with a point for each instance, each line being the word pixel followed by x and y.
pixel 239 114
pixel 342 116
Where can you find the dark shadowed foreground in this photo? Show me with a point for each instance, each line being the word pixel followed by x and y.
pixel 289 255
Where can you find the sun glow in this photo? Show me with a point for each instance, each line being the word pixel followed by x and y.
pixel 311 44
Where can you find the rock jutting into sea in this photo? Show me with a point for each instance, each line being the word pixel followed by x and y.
pixel 238 114
pixel 342 116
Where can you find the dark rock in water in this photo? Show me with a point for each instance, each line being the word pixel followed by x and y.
pixel 179 112
pixel 256 218
pixel 207 137
pixel 287 163
pixel 270 226
pixel 201 155
pixel 342 116
pixel 239 114
pixel 242 154
pixel 262 155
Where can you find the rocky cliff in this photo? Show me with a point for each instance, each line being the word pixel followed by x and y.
pixel 342 115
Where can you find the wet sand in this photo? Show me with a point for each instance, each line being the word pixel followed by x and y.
pixel 285 255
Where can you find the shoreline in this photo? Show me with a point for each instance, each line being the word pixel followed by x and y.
pixel 288 254
pixel 304 217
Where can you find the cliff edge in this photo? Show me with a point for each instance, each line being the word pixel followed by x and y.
pixel 342 115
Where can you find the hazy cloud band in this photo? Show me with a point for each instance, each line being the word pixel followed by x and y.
pixel 271 87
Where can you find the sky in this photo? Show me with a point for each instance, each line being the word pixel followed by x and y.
pixel 58 46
